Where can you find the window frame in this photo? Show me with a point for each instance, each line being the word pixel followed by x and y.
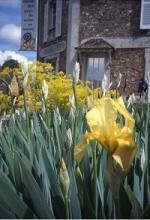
pixel 45 22
pixel 52 19
pixel 84 62
pixel 144 26
pixel 48 26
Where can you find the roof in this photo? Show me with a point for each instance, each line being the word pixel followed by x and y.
pixel 95 44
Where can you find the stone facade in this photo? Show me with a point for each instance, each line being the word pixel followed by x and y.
pixel 113 18
pixel 115 22
pixel 130 63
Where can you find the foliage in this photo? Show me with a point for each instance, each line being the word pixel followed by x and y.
pixel 38 172
pixel 59 87
pixel 30 166
pixel 5 102
pixel 10 63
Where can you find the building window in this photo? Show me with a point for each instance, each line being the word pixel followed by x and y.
pixel 94 56
pixel 93 67
pixel 95 70
pixel 52 20
pixel 145 14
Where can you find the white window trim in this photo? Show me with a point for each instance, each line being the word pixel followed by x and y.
pixel 142 26
pixel 58 18
pixel 45 25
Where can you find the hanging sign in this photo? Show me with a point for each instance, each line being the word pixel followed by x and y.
pixel 29 10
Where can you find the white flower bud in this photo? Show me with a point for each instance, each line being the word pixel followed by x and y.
pixel 72 101
pixel 17 112
pixel 76 73
pixel 110 84
pixel 58 115
pixel 24 67
pixel 68 138
pixel 1 126
pixel 79 174
pixel 43 106
pixel 25 81
pixel 142 161
pixel 72 114
pixel 23 114
pixel 14 88
pixel 131 100
pixel 119 78
pixel 105 84
pixel 64 178
pixel 14 101
pixel 45 89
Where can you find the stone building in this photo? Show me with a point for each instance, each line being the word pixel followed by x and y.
pixel 102 35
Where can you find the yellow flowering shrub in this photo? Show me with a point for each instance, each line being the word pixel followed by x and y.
pixel 59 88
pixel 5 102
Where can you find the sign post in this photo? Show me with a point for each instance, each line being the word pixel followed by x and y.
pixel 29 25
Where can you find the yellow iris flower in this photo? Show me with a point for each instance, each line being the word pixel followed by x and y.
pixel 117 140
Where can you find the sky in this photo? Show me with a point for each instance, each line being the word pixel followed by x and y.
pixel 10 32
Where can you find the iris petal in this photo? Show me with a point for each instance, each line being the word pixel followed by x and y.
pixel 129 121
pixel 125 153
pixel 117 140
pixel 80 149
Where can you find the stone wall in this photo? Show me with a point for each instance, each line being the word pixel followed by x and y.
pixel 113 18
pixel 62 61
pixel 131 64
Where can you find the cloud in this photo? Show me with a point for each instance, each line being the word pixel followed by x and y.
pixel 10 3
pixel 7 55
pixel 11 33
